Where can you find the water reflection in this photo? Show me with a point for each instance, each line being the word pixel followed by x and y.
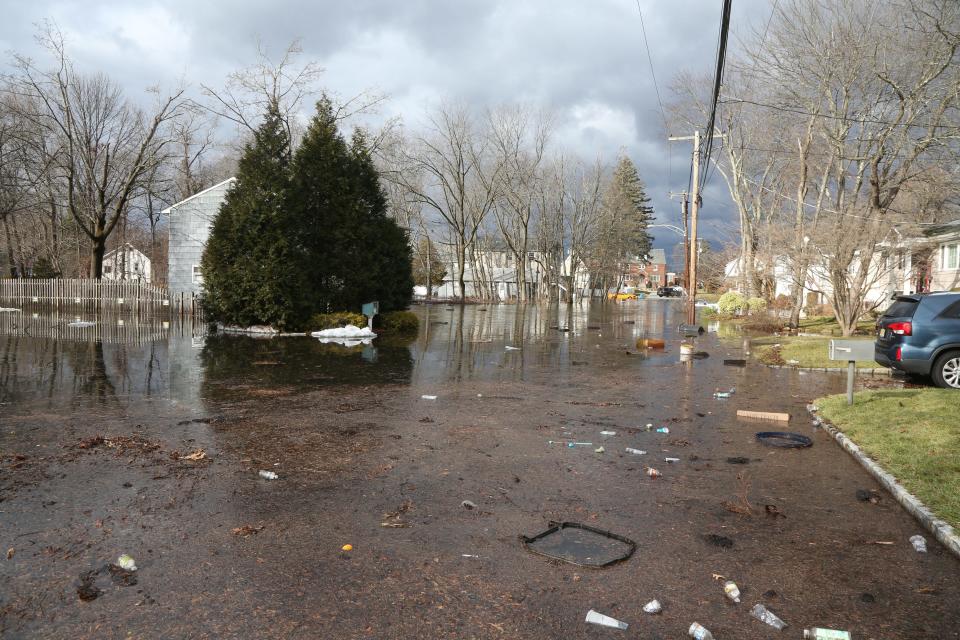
pixel 122 360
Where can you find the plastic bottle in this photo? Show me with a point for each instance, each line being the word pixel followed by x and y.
pixel 653 607
pixel 919 543
pixel 825 634
pixel 763 614
pixel 732 590
pixel 268 475
pixel 663 430
pixel 636 452
pixel 699 632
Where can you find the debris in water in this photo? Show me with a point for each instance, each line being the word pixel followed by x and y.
pixel 509 348
pixel 672 460
pixel 732 591
pixel 346 547
pixel 580 544
pixel 825 634
pixel 919 543
pixel 268 475
pixel 247 530
pixel 784 439
pixel 764 415
pixel 763 614
pixel 663 430
pixel 126 562
pixel 653 607
pixel 599 450
pixel 636 452
pixel 608 433
pixel 719 541
pixel 469 506
pixel 735 362
pixel 699 632
pixel 653 473
pixel 426 397
pixel 604 621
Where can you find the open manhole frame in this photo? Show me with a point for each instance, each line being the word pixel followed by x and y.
pixel 554 527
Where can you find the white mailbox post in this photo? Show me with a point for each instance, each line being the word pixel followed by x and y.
pixel 851 351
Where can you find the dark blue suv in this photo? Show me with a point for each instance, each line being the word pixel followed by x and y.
pixel 920 334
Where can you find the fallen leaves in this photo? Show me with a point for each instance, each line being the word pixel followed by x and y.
pixel 247 530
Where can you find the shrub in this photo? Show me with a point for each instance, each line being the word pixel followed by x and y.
pixel 763 322
pixel 321 321
pixel 754 305
pixel 732 303
pixel 401 322
pixel 708 312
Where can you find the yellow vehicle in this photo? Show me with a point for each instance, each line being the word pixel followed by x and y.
pixel 628 293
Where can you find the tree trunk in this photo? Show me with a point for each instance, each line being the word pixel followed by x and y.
pixel 461 260
pixel 96 257
pixel 11 263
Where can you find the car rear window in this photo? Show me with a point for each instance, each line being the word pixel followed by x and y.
pixel 953 311
pixel 901 308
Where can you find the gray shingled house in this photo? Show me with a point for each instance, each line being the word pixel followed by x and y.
pixel 189 228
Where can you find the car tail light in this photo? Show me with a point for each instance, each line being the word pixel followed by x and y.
pixel 899 355
pixel 901 328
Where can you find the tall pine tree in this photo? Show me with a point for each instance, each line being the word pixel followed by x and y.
pixel 247 266
pixel 630 212
pixel 349 250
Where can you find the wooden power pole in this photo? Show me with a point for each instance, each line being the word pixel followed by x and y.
pixel 694 245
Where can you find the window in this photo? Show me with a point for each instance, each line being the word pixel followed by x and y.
pixel 950 256
pixel 107 269
pixel 197 275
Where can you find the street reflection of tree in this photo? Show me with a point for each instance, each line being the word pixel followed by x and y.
pixel 92 380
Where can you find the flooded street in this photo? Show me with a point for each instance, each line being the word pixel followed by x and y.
pixel 147 437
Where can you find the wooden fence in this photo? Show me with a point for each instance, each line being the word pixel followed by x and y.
pixel 103 294
pixel 107 328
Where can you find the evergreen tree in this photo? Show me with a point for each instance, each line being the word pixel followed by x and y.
pixel 349 251
pixel 629 209
pixel 247 263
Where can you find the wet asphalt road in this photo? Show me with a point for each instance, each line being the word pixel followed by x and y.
pixel 364 460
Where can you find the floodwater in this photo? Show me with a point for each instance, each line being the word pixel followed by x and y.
pixel 145 437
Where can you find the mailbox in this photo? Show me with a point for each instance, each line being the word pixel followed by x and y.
pixel 851 351
pixel 371 309
pixel 848 350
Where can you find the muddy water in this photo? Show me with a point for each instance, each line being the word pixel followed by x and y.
pixel 363 459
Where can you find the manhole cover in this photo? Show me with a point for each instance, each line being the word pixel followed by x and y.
pixel 580 544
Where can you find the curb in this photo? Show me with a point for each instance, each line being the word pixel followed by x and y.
pixel 877 371
pixel 941 530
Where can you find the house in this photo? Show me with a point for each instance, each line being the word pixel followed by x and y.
pixel 128 263
pixel 493 275
pixel 941 269
pixel 649 272
pixel 189 228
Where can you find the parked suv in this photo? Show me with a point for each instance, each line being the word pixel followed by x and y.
pixel 920 334
pixel 669 292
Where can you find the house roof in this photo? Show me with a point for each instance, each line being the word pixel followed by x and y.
pixel 198 194
pixel 127 246
pixel 947 228
pixel 658 256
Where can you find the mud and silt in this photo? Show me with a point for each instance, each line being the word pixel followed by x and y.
pixel 101 456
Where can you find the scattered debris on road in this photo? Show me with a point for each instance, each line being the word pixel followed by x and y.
pixel 653 607
pixel 732 591
pixel 268 475
pixel 580 544
pixel 763 415
pixel 764 615
pixel 919 543
pixel 604 621
pixel 699 632
pixel 868 495
pixel 784 439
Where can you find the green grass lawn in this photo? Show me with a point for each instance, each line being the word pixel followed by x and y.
pixel 912 433
pixel 810 352
pixel 827 325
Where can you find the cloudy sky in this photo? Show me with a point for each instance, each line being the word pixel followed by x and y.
pixel 584 60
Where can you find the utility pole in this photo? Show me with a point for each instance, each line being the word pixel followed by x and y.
pixel 684 210
pixel 692 250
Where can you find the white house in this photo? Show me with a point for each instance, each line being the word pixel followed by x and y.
pixel 126 262
pixel 189 228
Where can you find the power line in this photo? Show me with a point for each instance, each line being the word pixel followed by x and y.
pixel 717 82
pixel 646 44
pixel 656 87
pixel 829 116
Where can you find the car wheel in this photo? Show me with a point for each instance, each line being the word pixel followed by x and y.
pixel 946 370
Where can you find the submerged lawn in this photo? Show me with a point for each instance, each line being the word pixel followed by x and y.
pixel 809 352
pixel 912 433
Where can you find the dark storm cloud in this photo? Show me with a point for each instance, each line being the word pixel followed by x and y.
pixel 585 61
